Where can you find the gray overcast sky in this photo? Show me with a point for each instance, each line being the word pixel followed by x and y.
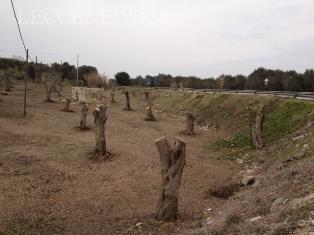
pixel 181 37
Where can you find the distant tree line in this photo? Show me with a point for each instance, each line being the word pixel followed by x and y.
pixel 277 80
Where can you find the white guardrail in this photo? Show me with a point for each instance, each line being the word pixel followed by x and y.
pixel 288 94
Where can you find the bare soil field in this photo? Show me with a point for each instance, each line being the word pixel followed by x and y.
pixel 49 185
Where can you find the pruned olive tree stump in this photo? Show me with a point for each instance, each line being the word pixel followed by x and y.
pixel 127 101
pixel 190 119
pixel 256 120
pixel 112 98
pixel 146 93
pixel 7 84
pixel 100 119
pixel 172 162
pixel 84 110
pixel 67 105
pixel 149 112
pixel 51 81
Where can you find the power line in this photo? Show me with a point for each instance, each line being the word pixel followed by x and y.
pixel 18 26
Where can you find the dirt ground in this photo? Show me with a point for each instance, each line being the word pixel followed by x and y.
pixel 48 184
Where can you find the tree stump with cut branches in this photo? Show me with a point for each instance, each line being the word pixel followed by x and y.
pixel 51 81
pixel 172 162
pixel 127 101
pixel 256 121
pixel 84 110
pixel 7 84
pixel 67 105
pixel 112 98
pixel 146 93
pixel 149 112
pixel 190 119
pixel 100 119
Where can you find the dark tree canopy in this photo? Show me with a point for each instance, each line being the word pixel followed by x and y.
pixel 123 79
pixel 85 70
pixel 278 80
pixel 66 70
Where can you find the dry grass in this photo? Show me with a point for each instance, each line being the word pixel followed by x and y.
pixel 58 182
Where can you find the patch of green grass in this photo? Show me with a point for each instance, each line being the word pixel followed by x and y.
pixel 223 109
pixel 233 219
pixel 288 117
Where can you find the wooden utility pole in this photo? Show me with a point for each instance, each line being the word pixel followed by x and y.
pixel 25 83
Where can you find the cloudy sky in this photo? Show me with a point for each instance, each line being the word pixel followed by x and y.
pixel 181 37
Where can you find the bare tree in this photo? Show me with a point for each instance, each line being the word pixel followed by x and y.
pixel 190 119
pixel 127 101
pixel 67 105
pixel 95 80
pixel 51 81
pixel 172 162
pixel 112 98
pixel 149 112
pixel 256 120
pixel 100 119
pixel 5 77
pixel 84 110
pixel 146 93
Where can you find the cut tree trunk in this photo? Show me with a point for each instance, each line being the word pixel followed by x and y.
pixel 127 101
pixel 48 99
pixel 256 127
pixel 149 112
pixel 189 130
pixel 100 119
pixel 172 162
pixel 84 110
pixel 67 104
pixel 7 85
pixel 146 93
pixel 112 97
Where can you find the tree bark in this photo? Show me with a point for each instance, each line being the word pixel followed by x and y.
pixel 100 119
pixel 189 130
pixel 48 99
pixel 149 112
pixel 67 104
pixel 256 127
pixel 84 110
pixel 146 93
pixel 112 98
pixel 49 92
pixel 7 85
pixel 127 101
pixel 172 162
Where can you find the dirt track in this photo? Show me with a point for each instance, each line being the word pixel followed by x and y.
pixel 48 184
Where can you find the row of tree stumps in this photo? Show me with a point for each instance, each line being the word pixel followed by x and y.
pixel 172 159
